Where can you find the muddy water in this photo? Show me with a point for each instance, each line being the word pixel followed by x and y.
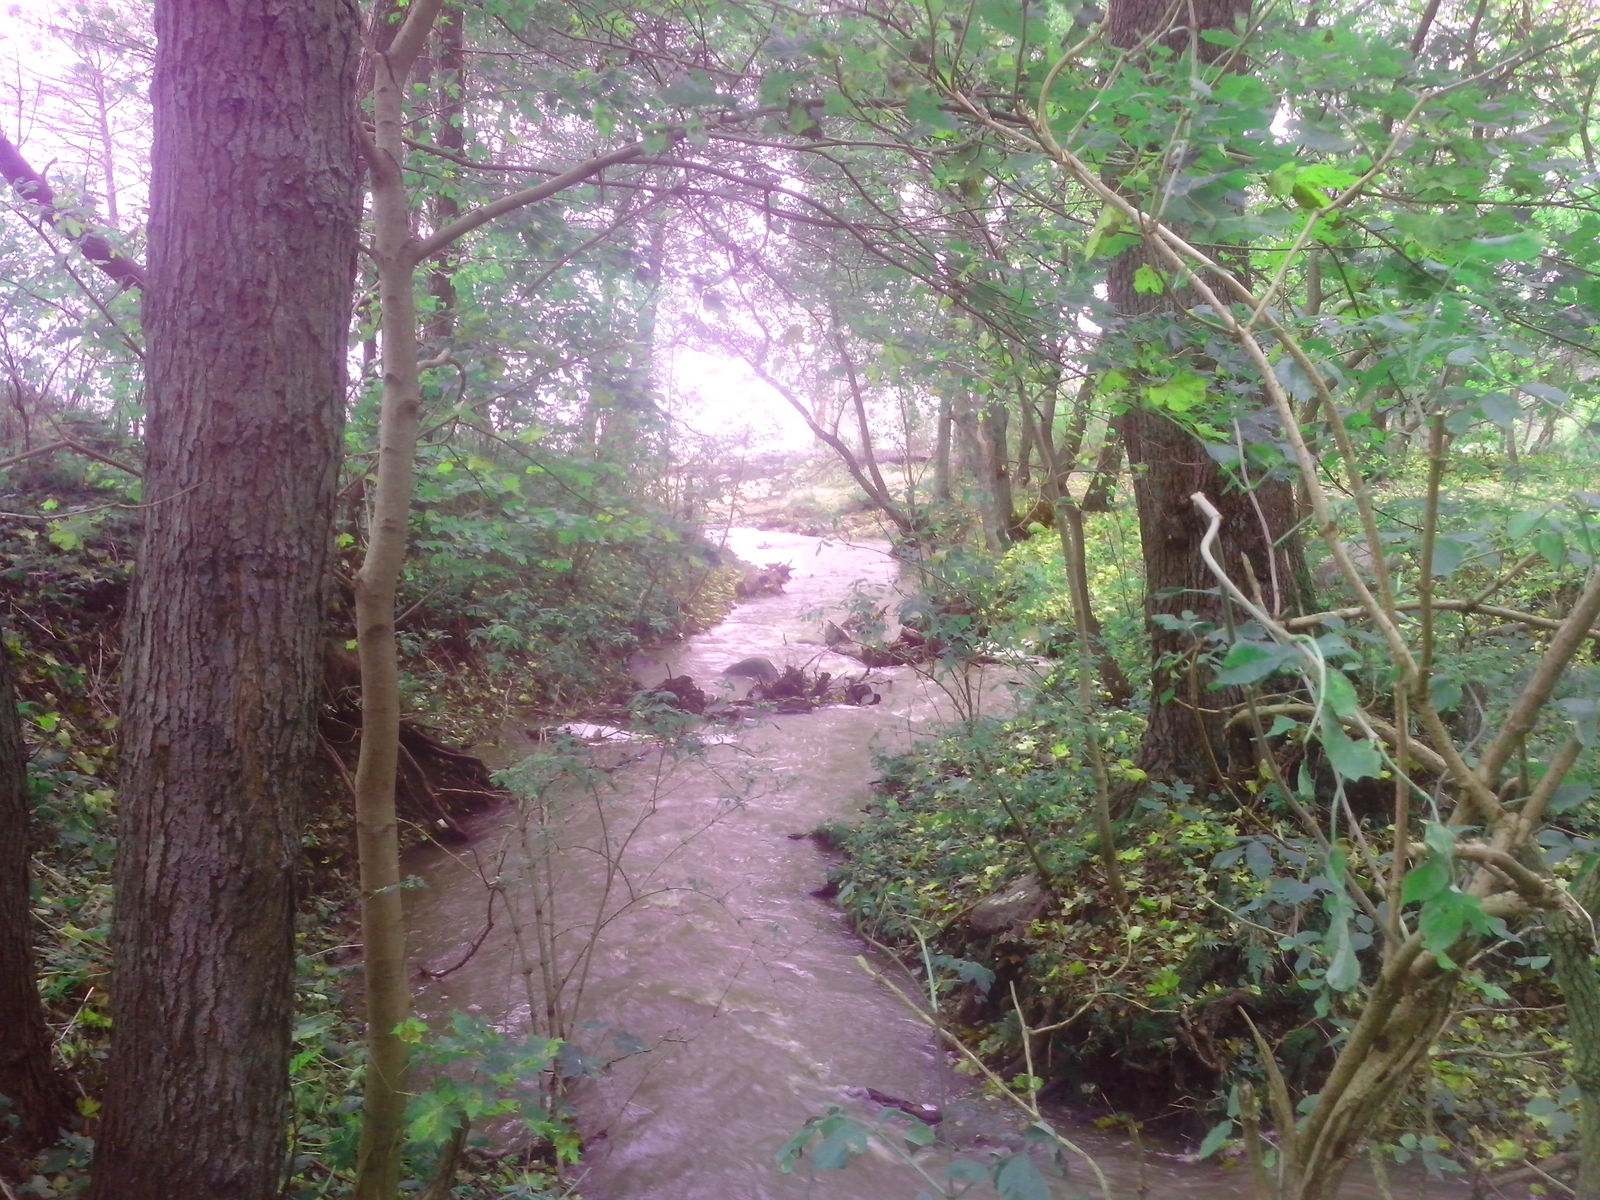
pixel 693 957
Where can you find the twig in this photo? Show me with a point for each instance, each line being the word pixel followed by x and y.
pixel 983 1069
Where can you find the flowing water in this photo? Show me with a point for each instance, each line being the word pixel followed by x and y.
pixel 677 901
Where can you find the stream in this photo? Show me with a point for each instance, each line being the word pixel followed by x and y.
pixel 673 911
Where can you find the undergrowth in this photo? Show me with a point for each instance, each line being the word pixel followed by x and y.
pixel 977 859
pixel 513 600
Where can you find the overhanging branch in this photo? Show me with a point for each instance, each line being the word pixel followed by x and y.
pixel 36 190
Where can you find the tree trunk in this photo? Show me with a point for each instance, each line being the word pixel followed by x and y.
pixel 1572 950
pixel 254 207
pixel 449 86
pixel 38 1101
pixel 1102 487
pixel 979 461
pixel 941 451
pixel 1184 737
pixel 995 423
pixel 383 930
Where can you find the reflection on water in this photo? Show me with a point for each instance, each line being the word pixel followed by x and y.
pixel 659 907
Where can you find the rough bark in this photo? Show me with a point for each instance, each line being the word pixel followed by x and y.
pixel 1184 736
pixel 1572 950
pixel 38 1102
pixel 254 208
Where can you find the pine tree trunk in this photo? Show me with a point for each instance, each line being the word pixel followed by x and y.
pixel 254 207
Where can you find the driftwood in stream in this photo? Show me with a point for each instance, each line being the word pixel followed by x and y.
pixel 788 689
pixel 908 648
pixel 763 581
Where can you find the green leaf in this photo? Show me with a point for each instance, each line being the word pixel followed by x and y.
pixel 1444 692
pixel 1147 281
pixel 1178 394
pixel 1339 694
pixel 1248 662
pixel 1103 238
pixel 1512 247
pixel 1326 175
pixel 1444 919
pixel 691 89
pixel 1584 713
pixel 842 1141
pixel 1344 968
pixel 1501 409
pixel 1569 796
pixel 1349 759
pixel 1019 1179
pixel 1215 1140
pixel 1552 546
pixel 1522 524
pixel 1448 554
pixel 1427 880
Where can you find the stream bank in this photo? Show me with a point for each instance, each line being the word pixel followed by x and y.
pixel 660 911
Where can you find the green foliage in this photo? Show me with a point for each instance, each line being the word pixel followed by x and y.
pixel 833 1140
pixel 477 1077
pixel 545 573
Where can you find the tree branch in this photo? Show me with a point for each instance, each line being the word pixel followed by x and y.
pixel 34 188
pixel 427 247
